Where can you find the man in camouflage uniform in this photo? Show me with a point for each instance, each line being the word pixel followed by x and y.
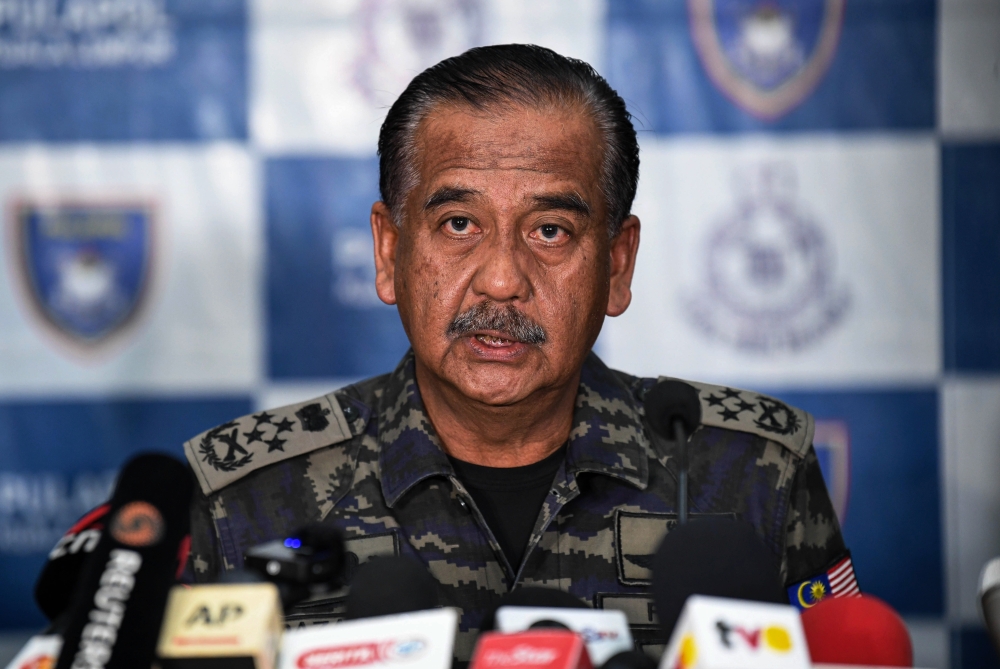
pixel 504 236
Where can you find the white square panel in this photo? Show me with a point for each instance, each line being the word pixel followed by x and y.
pixel 971 462
pixel 323 75
pixel 197 324
pixel 969 68
pixel 777 260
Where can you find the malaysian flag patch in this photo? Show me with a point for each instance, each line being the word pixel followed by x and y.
pixel 837 581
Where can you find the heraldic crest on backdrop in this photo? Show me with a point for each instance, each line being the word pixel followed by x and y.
pixel 84 267
pixel 768 277
pixel 767 56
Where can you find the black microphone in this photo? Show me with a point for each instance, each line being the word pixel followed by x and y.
pixel 58 578
pixel 673 409
pixel 629 659
pixel 117 608
pixel 531 595
pixel 717 557
pixel 384 586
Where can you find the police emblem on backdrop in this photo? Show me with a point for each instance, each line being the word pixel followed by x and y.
pixel 832 442
pixel 401 38
pixel 766 55
pixel 85 266
pixel 768 280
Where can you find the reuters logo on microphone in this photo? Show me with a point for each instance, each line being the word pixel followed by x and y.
pixel 137 524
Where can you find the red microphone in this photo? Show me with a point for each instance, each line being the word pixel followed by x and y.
pixel 533 649
pixel 857 630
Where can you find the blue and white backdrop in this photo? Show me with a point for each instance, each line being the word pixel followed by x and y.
pixel 185 188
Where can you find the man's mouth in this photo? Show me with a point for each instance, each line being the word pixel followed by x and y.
pixel 491 340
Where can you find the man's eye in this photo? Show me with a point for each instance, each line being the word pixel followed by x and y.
pixel 549 232
pixel 458 224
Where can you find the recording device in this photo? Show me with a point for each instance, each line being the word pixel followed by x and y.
pixel 233 626
pixel 58 578
pixel 989 599
pixel 385 586
pixel 306 563
pixel 531 595
pixel 673 409
pixel 534 649
pixel 421 640
pixel 606 633
pixel 114 618
pixel 717 557
pixel 717 633
pixel 857 630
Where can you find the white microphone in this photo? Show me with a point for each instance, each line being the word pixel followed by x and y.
pixel 42 650
pixel 423 639
pixel 718 633
pixel 606 633
pixel 989 599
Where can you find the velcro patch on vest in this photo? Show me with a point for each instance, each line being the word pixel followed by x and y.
pixel 747 411
pixel 232 450
pixel 637 536
pixel 359 550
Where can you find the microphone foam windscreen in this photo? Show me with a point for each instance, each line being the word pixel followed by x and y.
pixel 385 586
pixel 670 400
pixel 531 595
pixel 857 630
pixel 717 557
pixel 117 607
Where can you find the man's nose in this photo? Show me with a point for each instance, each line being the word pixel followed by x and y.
pixel 501 274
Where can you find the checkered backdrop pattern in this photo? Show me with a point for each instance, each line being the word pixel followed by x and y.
pixel 185 188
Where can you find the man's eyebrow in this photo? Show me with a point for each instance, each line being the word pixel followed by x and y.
pixel 564 201
pixel 447 195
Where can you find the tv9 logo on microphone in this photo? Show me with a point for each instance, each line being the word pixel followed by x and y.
pixel 137 524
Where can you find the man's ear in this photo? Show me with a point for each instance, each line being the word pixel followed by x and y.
pixel 386 236
pixel 624 247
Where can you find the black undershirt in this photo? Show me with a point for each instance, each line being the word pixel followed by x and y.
pixel 510 498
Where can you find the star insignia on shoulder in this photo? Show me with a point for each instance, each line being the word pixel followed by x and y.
pixel 714 401
pixel 730 392
pixel 284 426
pixel 254 435
pixel 276 444
pixel 263 417
pixel 729 414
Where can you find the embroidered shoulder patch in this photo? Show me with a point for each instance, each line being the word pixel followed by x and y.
pixel 747 411
pixel 230 451
pixel 837 581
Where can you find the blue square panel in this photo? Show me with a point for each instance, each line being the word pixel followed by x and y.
pixel 970 211
pixel 98 71
pixel 879 455
pixel 749 65
pixel 324 318
pixel 58 460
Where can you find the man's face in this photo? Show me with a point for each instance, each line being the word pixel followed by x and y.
pixel 503 270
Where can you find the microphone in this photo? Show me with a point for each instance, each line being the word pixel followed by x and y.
pixel 605 632
pixel 629 659
pixel 41 651
pixel 118 605
pixel 233 625
pixel 718 557
pixel 534 649
pixel 420 640
pixel 857 630
pixel 385 586
pixel 55 584
pixel 989 599
pixel 531 595
pixel 673 409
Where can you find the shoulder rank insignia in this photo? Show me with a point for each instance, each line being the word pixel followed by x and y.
pixel 837 581
pixel 747 411
pixel 232 450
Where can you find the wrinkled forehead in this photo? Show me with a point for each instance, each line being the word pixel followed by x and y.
pixel 555 141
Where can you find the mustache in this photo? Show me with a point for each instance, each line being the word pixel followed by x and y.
pixel 505 320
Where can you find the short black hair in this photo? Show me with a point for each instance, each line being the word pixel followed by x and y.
pixel 521 74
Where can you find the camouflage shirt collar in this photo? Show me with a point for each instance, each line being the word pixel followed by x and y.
pixel 607 435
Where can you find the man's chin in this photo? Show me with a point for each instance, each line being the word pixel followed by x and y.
pixel 494 375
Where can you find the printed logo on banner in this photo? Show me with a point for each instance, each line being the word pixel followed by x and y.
pixel 401 38
pixel 768 273
pixel 832 441
pixel 85 33
pixel 85 266
pixel 766 55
